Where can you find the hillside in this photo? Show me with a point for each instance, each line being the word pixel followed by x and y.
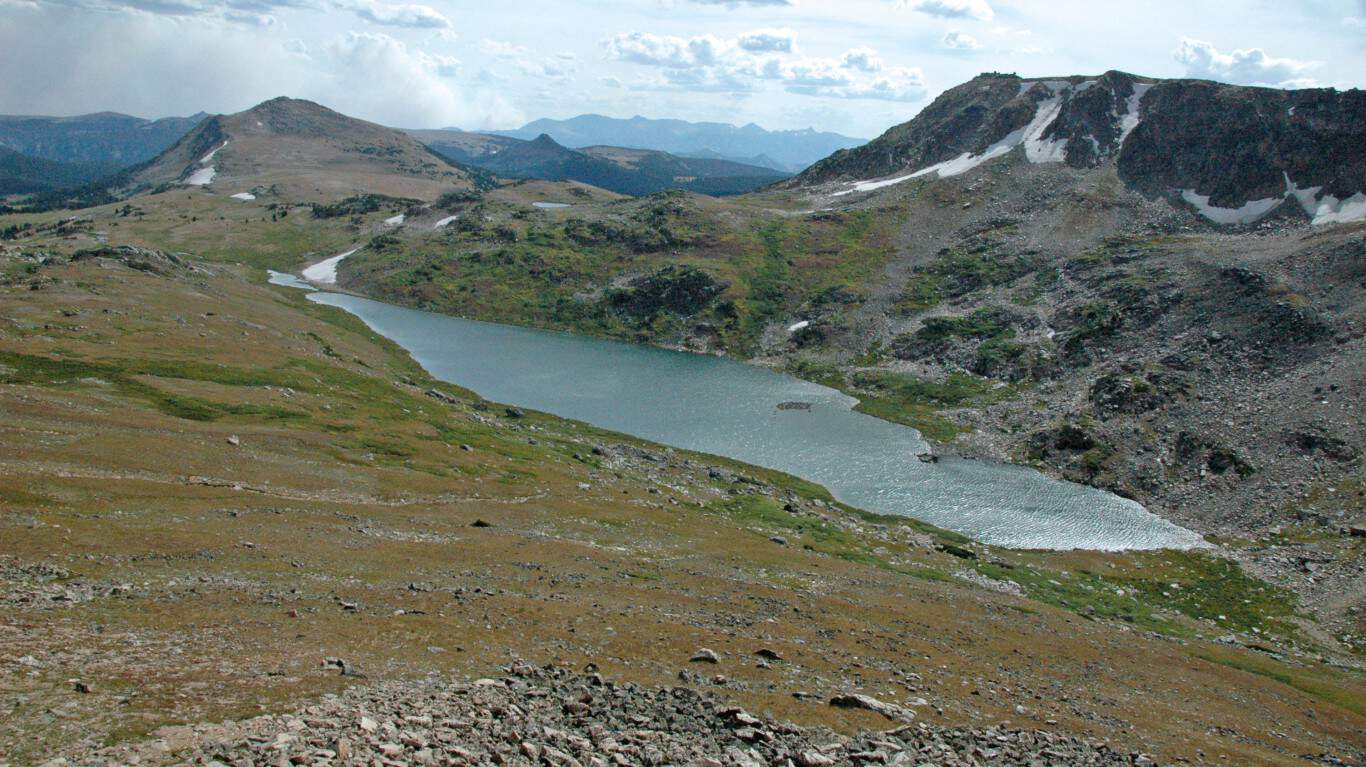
pixel 788 150
pixel 624 171
pixel 106 138
pixel 225 503
pixel 21 174
pixel 300 151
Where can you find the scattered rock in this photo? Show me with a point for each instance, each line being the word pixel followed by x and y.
pixel 705 655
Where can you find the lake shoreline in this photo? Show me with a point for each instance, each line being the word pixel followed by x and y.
pixel 865 462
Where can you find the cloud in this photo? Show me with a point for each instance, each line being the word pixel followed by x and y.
pixel 1252 66
pixel 863 59
pixel 711 63
pixel 738 3
pixel 958 41
pixel 401 15
pixel 500 50
pixel 769 41
pixel 378 77
pixel 666 50
pixel 977 10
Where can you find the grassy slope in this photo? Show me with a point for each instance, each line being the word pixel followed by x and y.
pixel 349 484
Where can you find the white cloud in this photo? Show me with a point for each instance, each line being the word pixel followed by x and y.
pixel 500 49
pixel 711 63
pixel 666 50
pixel 864 59
pixel 769 41
pixel 978 10
pixel 1252 66
pixel 378 77
pixel 958 41
pixel 401 15
pixel 738 3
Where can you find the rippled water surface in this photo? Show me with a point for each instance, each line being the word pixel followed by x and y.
pixel 728 408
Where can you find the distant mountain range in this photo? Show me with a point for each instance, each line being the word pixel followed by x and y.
pixel 21 174
pixel 108 138
pixel 625 171
pixel 788 151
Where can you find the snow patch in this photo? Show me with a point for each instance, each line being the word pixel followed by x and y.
pixel 550 205
pixel 444 222
pixel 211 153
pixel 1249 212
pixel 395 220
pixel 325 272
pixel 1129 120
pixel 1321 210
pixel 244 196
pixel 1331 210
pixel 794 327
pixel 1037 148
pixel 201 177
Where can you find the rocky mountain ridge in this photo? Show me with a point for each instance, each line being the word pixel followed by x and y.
pixel 1235 154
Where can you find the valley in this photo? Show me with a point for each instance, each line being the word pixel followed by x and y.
pixel 236 517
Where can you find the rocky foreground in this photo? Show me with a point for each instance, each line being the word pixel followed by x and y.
pixel 556 717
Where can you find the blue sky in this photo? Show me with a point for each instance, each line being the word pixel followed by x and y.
pixel 853 66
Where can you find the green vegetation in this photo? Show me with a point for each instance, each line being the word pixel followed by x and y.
pixel 958 272
pixel 362 204
pixel 1318 682
pixel 30 369
pixel 1159 589
pixel 915 402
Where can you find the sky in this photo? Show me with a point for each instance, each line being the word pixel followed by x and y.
pixel 852 66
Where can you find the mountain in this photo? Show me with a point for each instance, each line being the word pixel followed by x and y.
pixel 760 160
pixel 789 150
pixel 306 151
pixel 21 174
pixel 625 171
pixel 108 138
pixel 1234 153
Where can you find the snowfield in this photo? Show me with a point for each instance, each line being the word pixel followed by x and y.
pixel 325 272
pixel 211 153
pixel 1246 214
pixel 1321 210
pixel 444 222
pixel 244 196
pixel 396 220
pixel 201 177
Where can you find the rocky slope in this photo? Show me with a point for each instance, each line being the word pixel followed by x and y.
pixel 553 716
